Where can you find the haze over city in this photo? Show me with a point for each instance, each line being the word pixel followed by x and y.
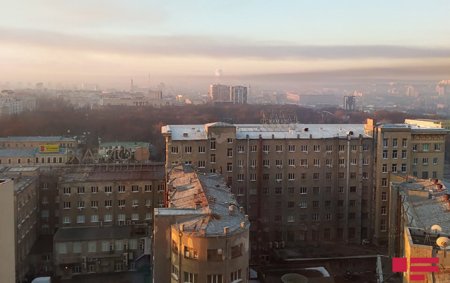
pixel 192 42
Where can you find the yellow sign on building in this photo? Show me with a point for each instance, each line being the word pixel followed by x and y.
pixel 49 148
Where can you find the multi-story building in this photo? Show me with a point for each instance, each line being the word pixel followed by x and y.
pixel 238 94
pixel 19 221
pixel 299 183
pixel 94 202
pixel 203 234
pixel 31 142
pixel 418 221
pixel 402 149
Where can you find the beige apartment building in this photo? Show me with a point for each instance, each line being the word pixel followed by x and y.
pixel 203 234
pixel 299 183
pixel 405 149
pixel 95 203
pixel 19 222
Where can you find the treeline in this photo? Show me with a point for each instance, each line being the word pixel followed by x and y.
pixel 56 117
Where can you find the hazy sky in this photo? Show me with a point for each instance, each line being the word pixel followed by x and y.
pixel 110 41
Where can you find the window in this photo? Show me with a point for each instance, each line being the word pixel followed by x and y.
pixel 354 161
pixel 135 203
pixel 240 149
pixel 266 148
pixel 66 205
pixel 341 162
pixel 214 254
pixel 66 220
pixel 279 163
pixel 365 161
pixel 415 160
pixel 290 219
pixel 201 164
pixel 365 175
pixel 329 162
pixel 190 253
pixel 394 168
pixel 353 189
pixel 279 148
pixel 253 177
pixel 385 154
pixel 94 218
pixel 108 203
pixel 414 148
pixel 316 162
pixel 383 210
pixel 229 140
pixel 384 168
pixel 341 147
pixel 315 216
pixel 328 175
pixel 365 147
pixel 229 152
pixel 148 216
pixel 383 196
pixel 316 190
pixel 212 158
pixel 291 148
pixel 188 149
pixel 304 162
pixel 108 189
pixel 315 204
pixel 341 189
pixel 201 149
pixel 403 168
pixel 147 188
pixel 329 148
pixel 212 144
pixel 383 225
pixel 235 275
pixel 121 202
pixel 403 154
pixel 304 148
pixel 316 148
pixel 108 218
pixel 62 248
pixel 121 189
pixel 328 216
pixel 106 247
pixel 384 182
pixel 303 190
pixel 229 167
pixel 303 204
pixel 80 219
pixel 385 142
pixel 394 154
pixel 253 148
pixel 425 161
pixel 80 204
pixel 434 174
pixel 316 176
pixel 435 161
pixel 240 177
pixel 66 190
pixel 353 147
pixel 214 278
pixel 278 190
pixel 341 175
pixel 94 189
pixel 394 142
pixel 291 162
pixel 92 247
pixel 290 204
pixel 279 177
pixel 437 146
pixel 404 143
pixel 426 147
pixel 174 149
pixel 236 251
pixel 425 175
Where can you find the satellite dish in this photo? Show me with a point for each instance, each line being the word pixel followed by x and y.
pixel 443 243
pixel 436 228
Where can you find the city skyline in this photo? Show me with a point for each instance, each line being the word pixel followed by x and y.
pixel 107 42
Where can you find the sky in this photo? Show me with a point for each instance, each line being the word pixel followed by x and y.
pixel 109 42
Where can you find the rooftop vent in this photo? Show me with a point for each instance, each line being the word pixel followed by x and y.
pixel 185 135
pixel 306 129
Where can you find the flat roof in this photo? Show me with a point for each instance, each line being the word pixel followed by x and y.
pixel 267 131
pixel 36 139
pixel 127 144
pixel 93 175
pixel 20 152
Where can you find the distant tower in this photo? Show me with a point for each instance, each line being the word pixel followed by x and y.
pixel 350 103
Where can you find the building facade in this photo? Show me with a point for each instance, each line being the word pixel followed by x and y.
pixel 203 235
pixel 99 201
pixel 299 183
pixel 402 149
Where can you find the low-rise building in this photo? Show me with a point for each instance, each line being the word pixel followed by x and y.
pixel 124 151
pixel 203 235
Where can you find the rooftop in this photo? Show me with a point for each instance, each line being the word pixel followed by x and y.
pixel 127 144
pixel 267 131
pixel 12 152
pixel 207 199
pixel 97 174
pixel 426 203
pixel 37 139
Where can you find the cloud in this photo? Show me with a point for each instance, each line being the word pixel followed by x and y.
pixel 204 46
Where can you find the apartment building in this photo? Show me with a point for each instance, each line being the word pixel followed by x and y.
pixel 418 222
pixel 405 149
pixel 203 234
pixel 19 222
pixel 105 204
pixel 18 142
pixel 299 183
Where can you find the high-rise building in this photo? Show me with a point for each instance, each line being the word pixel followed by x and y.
pixel 238 94
pixel 203 234
pixel 219 93
pixel 402 149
